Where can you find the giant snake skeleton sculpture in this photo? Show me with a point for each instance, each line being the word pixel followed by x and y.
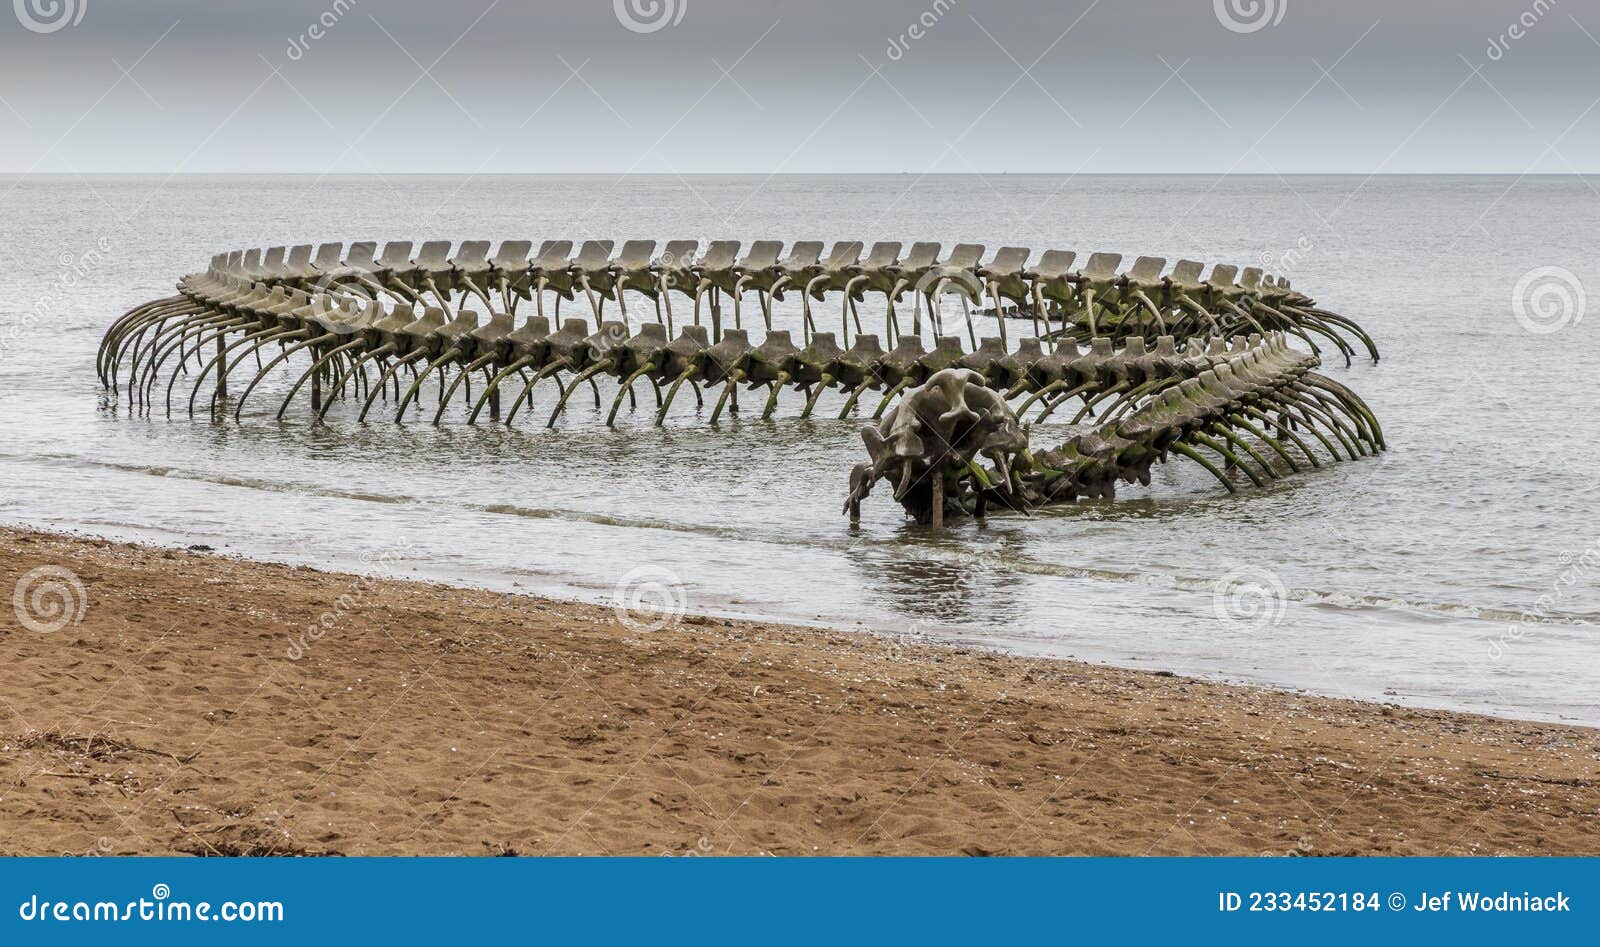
pixel 1242 403
pixel 1174 363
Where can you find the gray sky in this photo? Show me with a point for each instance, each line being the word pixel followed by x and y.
pixel 1359 86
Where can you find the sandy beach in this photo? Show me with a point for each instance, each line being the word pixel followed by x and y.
pixel 188 712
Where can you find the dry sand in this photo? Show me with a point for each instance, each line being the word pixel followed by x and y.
pixel 432 720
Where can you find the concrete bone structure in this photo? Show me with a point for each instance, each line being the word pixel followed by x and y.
pixel 397 311
pixel 1256 407
pixel 1173 362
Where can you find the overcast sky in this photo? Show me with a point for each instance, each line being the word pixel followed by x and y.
pixel 765 86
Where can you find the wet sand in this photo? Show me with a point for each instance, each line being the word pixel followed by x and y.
pixel 189 711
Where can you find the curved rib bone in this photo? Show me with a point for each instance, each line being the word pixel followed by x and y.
pixel 348 306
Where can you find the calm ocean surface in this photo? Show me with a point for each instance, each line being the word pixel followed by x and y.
pixel 1406 574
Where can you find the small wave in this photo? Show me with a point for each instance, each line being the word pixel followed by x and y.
pixel 891 546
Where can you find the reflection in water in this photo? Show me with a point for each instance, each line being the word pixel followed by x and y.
pixel 942 581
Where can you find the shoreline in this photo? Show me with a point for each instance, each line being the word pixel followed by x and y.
pixel 577 587
pixel 435 719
